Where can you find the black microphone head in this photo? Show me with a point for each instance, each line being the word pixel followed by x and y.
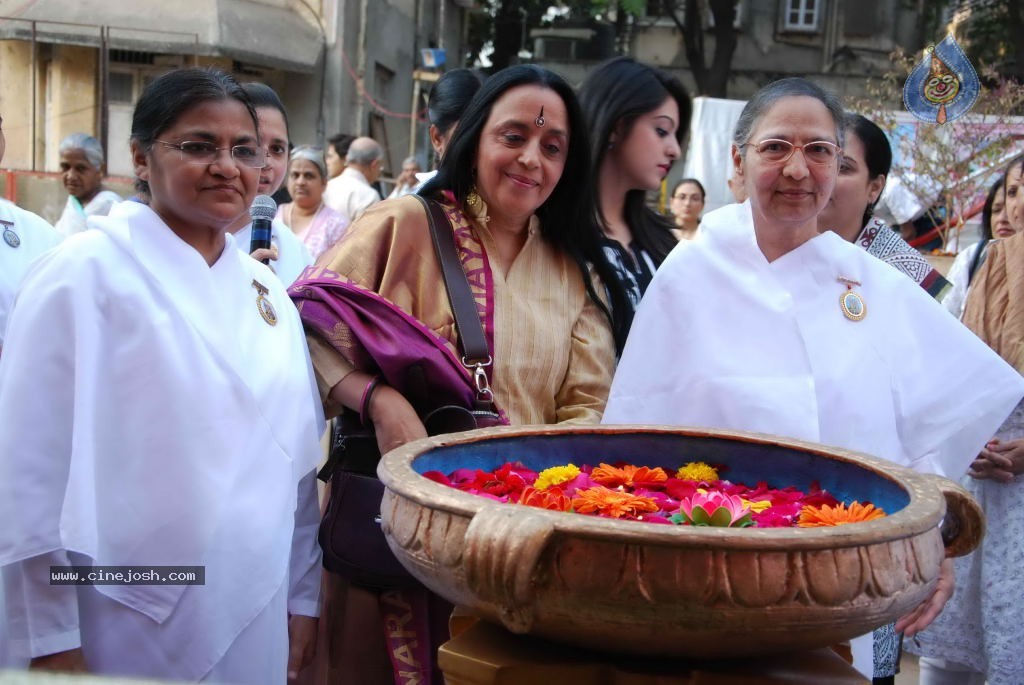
pixel 263 207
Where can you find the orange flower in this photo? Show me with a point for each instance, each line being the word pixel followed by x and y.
pixel 613 477
pixel 552 498
pixel 612 503
pixel 825 515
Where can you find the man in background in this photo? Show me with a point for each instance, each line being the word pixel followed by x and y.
pixel 334 155
pixel 352 192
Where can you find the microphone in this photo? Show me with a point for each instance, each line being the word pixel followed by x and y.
pixel 262 212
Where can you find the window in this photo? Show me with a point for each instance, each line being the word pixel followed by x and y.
pixel 802 15
pixel 121 87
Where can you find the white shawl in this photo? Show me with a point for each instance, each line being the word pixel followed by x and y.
pixel 723 338
pixel 149 410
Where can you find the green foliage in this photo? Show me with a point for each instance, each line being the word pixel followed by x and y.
pixel 635 7
pixel 989 31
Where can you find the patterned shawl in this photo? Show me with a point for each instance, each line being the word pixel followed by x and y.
pixel 886 244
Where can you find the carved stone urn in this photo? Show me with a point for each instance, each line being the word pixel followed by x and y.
pixel 667 590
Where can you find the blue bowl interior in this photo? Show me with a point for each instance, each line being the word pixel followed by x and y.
pixel 747 463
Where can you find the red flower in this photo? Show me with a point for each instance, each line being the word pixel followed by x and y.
pixel 680 489
pixel 438 477
pixel 509 480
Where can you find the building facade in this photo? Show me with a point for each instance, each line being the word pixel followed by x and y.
pixel 339 66
pixel 836 43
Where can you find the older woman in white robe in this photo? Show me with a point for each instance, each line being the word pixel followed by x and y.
pixel 764 324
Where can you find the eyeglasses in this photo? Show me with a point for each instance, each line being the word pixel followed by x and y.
pixel 775 151
pixel 204 152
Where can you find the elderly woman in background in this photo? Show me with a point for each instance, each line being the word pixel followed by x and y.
pixel 863 169
pixel 526 234
pixel 81 172
pixel 686 205
pixel 995 225
pixel 822 342
pixel 978 637
pixel 314 223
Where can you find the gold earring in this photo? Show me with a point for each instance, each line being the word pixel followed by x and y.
pixel 473 201
pixel 475 205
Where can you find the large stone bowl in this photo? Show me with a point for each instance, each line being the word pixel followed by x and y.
pixel 665 590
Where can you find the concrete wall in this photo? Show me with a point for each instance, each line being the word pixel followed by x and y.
pixel 71 97
pixel 16 107
pixel 391 37
pixel 388 32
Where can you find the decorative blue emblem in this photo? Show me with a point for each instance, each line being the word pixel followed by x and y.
pixel 943 86
pixel 11 238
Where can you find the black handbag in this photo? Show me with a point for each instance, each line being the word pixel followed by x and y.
pixel 350 534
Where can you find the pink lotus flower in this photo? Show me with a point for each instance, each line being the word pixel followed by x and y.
pixel 714 508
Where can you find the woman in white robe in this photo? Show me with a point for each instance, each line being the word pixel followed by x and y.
pixel 288 255
pixel 81 172
pixel 745 327
pixel 182 422
pixel 25 237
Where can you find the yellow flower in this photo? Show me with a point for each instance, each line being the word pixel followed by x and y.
pixel 556 475
pixel 699 471
pixel 824 516
pixel 756 507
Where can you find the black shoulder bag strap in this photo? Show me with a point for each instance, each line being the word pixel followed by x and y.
pixel 472 342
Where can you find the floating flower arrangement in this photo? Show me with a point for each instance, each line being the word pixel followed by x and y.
pixel 695 495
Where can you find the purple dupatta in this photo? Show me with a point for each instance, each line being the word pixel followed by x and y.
pixel 377 336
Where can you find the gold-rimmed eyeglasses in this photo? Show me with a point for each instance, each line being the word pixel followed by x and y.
pixel 205 152
pixel 777 151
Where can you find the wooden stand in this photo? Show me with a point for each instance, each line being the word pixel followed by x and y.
pixel 485 654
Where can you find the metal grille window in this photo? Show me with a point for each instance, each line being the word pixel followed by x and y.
pixel 802 15
pixel 121 87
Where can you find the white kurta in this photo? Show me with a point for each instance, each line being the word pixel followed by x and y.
pixel 723 338
pixel 33 237
pixel 292 255
pixel 183 430
pixel 74 218
pixel 349 194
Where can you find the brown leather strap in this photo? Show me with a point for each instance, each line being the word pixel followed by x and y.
pixel 472 340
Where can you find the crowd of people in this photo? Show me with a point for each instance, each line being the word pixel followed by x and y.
pixel 184 385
